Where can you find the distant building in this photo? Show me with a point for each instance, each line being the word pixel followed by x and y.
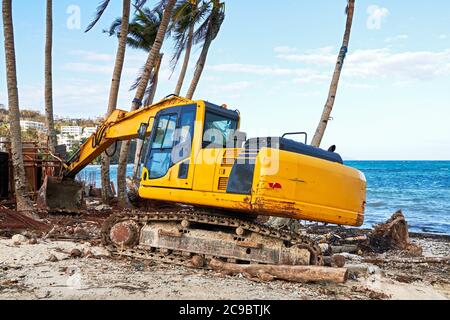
pixel 72 131
pixel 25 125
pixel 68 141
pixel 88 132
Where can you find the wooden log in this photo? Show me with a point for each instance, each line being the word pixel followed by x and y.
pixel 341 249
pixel 357 239
pixel 303 274
pixel 431 260
pixel 337 261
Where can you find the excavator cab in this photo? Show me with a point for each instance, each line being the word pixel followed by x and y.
pixel 179 135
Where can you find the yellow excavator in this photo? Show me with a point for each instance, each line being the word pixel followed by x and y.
pixel 196 156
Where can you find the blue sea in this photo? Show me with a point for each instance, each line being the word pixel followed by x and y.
pixel 420 188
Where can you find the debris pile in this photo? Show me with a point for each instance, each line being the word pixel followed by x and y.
pixel 393 235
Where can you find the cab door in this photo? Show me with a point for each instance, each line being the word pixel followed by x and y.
pixel 169 157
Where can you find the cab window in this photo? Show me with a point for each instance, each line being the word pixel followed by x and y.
pixel 161 148
pixel 218 130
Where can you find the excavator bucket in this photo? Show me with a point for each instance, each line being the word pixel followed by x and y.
pixel 57 194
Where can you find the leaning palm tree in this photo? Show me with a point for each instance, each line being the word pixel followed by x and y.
pixel 186 15
pixel 207 33
pixel 317 140
pixel 117 74
pixel 150 97
pixel 142 33
pixel 140 92
pixel 23 202
pixel 115 84
pixel 50 122
pixel 291 224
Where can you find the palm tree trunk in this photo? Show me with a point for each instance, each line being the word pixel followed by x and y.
pixel 317 140
pixel 50 123
pixel 187 57
pixel 149 102
pixel 137 102
pixel 23 203
pixel 114 94
pixel 199 69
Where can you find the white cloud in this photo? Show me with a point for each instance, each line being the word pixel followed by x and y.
pixel 415 65
pixel 396 38
pixel 383 63
pixel 443 36
pixel 306 74
pixel 284 49
pixel 376 16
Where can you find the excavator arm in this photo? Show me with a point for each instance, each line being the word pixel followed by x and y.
pixel 120 126
pixel 65 193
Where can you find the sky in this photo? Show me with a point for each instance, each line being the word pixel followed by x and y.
pixel 273 61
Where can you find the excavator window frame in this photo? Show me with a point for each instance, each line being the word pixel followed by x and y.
pixel 227 115
pixel 177 111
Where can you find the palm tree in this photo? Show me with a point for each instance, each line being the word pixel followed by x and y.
pixel 117 75
pixel 140 92
pixel 23 203
pixel 115 84
pixel 142 33
pixel 187 14
pixel 317 140
pixel 289 223
pixel 208 32
pixel 148 101
pixel 50 123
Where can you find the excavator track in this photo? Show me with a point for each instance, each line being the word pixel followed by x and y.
pixel 179 240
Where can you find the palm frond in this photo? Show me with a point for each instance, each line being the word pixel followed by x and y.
pixel 142 30
pixel 115 28
pixel 100 10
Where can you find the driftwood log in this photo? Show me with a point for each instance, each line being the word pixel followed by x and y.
pixel 431 260
pixel 393 235
pixel 345 248
pixel 303 274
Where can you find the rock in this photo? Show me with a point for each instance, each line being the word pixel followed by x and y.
pixel 338 261
pixel 76 253
pixel 358 269
pixel 372 269
pixel 87 253
pixel 93 203
pixel 32 241
pixel 325 247
pixel 81 232
pixel 102 207
pixel 415 250
pixel 19 239
pixel 52 258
